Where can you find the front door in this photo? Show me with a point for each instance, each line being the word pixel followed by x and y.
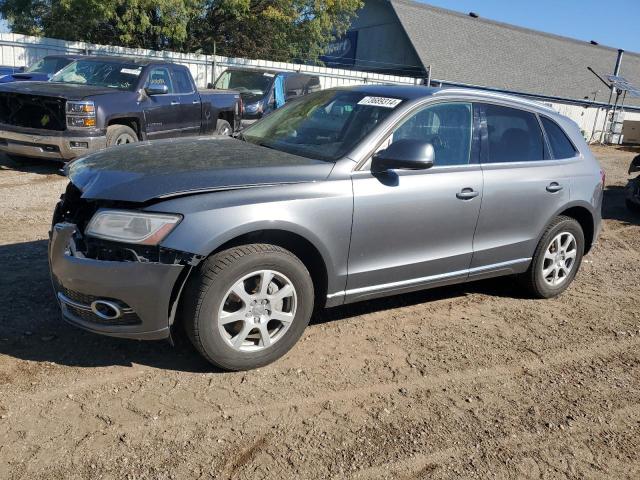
pixel 161 111
pixel 415 228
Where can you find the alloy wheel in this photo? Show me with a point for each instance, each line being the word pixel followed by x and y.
pixel 559 259
pixel 257 311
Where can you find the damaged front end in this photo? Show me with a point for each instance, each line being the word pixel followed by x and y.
pixel 113 288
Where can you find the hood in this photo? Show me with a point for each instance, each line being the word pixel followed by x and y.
pixel 19 77
pixel 145 171
pixel 68 91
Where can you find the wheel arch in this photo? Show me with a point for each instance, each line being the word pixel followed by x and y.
pixel 300 246
pixel 584 217
pixel 131 122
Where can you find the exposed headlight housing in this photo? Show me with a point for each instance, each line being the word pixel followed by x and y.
pixel 81 114
pixel 131 226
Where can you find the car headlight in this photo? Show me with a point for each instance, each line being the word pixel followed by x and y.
pixel 132 227
pixel 253 107
pixel 81 114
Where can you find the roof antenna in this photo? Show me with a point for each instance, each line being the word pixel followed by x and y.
pixel 473 15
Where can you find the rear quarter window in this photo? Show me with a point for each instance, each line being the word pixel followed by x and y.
pixel 561 146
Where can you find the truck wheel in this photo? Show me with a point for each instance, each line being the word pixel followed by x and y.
pixel 247 306
pixel 556 259
pixel 634 207
pixel 120 135
pixel 223 128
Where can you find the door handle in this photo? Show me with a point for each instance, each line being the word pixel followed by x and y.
pixel 175 102
pixel 196 102
pixel 554 187
pixel 467 194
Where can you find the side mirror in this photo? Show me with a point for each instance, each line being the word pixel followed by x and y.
pixel 156 89
pixel 635 165
pixel 404 154
pixel 210 86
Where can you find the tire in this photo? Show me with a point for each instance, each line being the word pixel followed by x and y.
pixel 632 206
pixel 208 297
pixel 17 159
pixel 534 280
pixel 120 135
pixel 224 128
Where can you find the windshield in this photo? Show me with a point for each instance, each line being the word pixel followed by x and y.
pixel 324 125
pixel 255 83
pixel 120 75
pixel 45 65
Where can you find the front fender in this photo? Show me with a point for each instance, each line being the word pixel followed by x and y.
pixel 319 212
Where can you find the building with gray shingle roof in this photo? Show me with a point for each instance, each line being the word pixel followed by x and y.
pixel 405 37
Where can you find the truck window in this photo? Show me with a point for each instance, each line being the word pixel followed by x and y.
pixel 182 80
pixel 160 76
pixel 254 83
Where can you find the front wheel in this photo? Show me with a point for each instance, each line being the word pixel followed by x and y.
pixel 556 259
pixel 120 135
pixel 223 128
pixel 247 306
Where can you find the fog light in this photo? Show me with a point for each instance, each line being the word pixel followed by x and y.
pixel 79 144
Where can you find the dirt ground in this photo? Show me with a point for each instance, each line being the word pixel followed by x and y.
pixel 460 382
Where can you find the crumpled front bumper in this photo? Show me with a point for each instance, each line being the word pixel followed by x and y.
pixel 142 290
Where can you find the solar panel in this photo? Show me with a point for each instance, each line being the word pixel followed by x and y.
pixel 622 83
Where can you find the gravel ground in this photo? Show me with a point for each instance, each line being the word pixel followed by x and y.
pixel 459 382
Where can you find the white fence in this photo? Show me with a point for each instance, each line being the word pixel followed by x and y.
pixel 22 50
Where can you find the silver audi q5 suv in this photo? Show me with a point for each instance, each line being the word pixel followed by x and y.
pixel 341 196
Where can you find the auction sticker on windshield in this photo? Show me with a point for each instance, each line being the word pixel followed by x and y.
pixel 131 71
pixel 380 102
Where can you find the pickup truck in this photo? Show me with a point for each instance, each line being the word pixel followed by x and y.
pixel 100 102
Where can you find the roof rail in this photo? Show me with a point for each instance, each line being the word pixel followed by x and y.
pixel 496 95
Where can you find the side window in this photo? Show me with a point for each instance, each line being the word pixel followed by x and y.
pixel 513 135
pixel 447 126
pixel 160 76
pixel 182 80
pixel 561 146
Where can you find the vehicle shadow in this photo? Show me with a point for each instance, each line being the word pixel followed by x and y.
pixel 31 327
pixel 30 165
pixel 614 208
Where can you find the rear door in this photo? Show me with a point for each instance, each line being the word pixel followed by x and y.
pixel 415 228
pixel 523 188
pixel 161 111
pixel 190 106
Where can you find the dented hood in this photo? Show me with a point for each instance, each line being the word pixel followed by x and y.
pixel 144 171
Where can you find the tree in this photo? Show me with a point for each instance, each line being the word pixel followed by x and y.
pixel 282 30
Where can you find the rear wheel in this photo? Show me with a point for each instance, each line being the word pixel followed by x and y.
pixel 223 128
pixel 247 306
pixel 556 259
pixel 120 135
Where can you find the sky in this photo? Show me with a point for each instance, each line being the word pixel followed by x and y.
pixel 614 24
pixel 618 26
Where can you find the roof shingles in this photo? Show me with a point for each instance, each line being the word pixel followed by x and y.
pixel 491 54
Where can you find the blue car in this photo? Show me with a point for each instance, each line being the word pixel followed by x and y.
pixel 42 70
pixel 9 70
